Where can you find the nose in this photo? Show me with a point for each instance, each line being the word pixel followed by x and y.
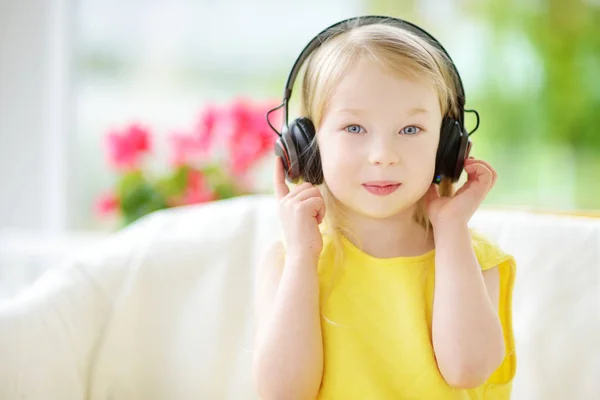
pixel 383 152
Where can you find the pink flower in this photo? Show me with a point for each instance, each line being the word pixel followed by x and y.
pixel 198 190
pixel 206 127
pixel 190 148
pixel 186 149
pixel 249 138
pixel 107 204
pixel 139 136
pixel 126 147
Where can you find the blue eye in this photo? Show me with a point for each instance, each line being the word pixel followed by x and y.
pixel 411 130
pixel 354 129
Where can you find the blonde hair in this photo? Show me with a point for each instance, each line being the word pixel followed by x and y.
pixel 398 50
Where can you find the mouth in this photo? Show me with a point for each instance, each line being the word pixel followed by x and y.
pixel 381 188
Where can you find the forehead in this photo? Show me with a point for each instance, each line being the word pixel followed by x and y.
pixel 368 84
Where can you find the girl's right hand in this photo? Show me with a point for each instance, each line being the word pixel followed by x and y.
pixel 301 210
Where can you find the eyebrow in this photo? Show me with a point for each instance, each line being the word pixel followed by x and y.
pixel 416 111
pixel 354 111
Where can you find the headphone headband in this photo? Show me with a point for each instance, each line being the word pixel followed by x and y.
pixel 296 145
pixel 331 31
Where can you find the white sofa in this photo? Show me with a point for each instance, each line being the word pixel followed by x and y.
pixel 163 309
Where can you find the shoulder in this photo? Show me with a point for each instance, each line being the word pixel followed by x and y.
pixel 489 254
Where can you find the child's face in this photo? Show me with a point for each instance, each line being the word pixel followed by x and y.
pixel 379 127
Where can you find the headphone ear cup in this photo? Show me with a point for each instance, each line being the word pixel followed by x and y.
pixel 286 149
pixel 453 149
pixel 445 138
pixel 303 132
pixel 464 149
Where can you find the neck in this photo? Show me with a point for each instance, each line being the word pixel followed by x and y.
pixel 397 236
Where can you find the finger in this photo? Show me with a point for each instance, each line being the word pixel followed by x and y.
pixel 478 181
pixel 307 194
pixel 320 219
pixel 494 173
pixel 463 188
pixel 281 188
pixel 471 187
pixel 299 189
pixel 472 161
pixel 481 173
pixel 474 176
pixel 318 206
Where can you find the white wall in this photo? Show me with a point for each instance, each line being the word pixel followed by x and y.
pixel 33 130
pixel 51 164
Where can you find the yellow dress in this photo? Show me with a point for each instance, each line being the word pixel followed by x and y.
pixel 376 325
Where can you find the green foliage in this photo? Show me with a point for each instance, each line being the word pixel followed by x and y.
pixel 138 197
pixel 565 40
pixel 539 98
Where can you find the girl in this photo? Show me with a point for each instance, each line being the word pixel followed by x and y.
pixel 379 289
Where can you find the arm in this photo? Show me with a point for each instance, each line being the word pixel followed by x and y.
pixel 288 358
pixel 467 334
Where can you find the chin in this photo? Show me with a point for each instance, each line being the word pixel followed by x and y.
pixel 362 203
pixel 381 210
pixel 381 213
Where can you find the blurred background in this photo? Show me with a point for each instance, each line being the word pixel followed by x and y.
pixel 74 73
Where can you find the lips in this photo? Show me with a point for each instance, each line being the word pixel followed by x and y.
pixel 381 188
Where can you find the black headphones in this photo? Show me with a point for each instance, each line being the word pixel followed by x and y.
pixel 294 142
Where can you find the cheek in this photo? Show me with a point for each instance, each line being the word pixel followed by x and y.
pixel 421 156
pixel 337 157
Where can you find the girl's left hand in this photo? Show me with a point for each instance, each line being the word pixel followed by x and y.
pixel 462 206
